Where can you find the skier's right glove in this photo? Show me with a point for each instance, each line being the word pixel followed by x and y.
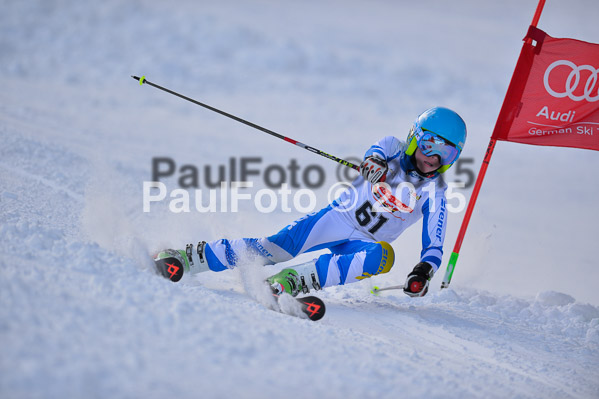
pixel 417 281
pixel 374 169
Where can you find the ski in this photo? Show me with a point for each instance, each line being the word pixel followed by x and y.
pixel 169 264
pixel 311 306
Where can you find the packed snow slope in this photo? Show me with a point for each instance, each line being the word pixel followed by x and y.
pixel 82 313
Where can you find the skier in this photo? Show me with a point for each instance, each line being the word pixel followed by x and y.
pixel 399 184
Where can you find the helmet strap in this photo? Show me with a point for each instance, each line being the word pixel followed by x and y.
pixel 412 146
pixel 444 168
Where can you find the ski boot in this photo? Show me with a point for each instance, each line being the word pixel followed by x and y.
pixel 172 263
pixel 295 280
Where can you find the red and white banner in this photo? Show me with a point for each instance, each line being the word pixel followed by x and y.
pixel 553 98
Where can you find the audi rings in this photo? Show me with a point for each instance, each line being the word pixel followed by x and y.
pixel 573 80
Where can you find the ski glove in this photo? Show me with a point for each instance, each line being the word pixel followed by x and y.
pixel 417 282
pixel 374 169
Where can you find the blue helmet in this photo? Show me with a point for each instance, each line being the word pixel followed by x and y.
pixel 438 131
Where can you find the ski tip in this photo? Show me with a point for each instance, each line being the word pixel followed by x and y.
pixel 169 264
pixel 313 307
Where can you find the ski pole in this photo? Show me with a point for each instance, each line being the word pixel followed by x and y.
pixel 143 80
pixel 376 289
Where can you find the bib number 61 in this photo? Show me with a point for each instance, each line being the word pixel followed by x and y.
pixel 365 215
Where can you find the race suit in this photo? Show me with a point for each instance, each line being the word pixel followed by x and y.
pixel 357 227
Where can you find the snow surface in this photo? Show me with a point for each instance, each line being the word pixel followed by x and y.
pixel 83 315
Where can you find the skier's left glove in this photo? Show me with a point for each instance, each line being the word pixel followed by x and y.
pixel 417 282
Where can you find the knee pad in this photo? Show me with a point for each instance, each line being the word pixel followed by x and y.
pixel 387 257
pixel 378 262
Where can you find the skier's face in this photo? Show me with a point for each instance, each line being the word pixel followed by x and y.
pixel 427 164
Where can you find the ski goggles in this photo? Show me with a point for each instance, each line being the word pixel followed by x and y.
pixel 430 144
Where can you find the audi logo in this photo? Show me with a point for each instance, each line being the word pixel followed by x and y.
pixel 573 81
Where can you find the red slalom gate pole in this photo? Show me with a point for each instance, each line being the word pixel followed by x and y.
pixel 458 244
pixel 535 19
pixel 479 180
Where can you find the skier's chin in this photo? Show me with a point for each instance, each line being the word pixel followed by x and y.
pixel 425 169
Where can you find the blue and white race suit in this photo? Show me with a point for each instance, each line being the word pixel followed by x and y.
pixel 357 227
